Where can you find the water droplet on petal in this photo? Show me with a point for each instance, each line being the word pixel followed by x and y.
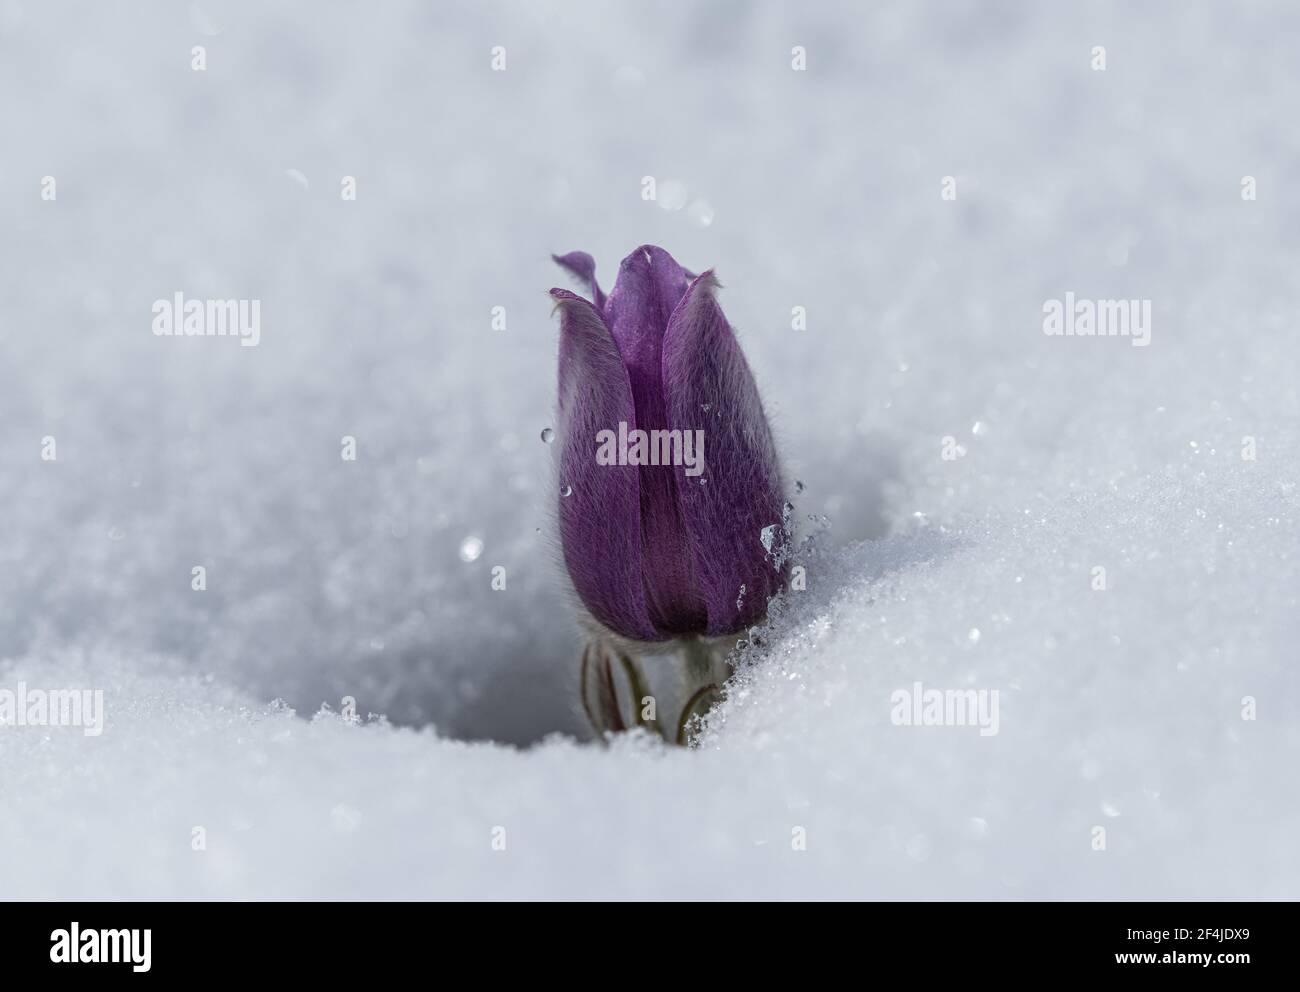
pixel 548 435
pixel 116 534
pixel 1109 808
pixel 470 548
pixel 768 536
pixel 740 600
pixel 974 635
pixel 798 486
pixel 566 491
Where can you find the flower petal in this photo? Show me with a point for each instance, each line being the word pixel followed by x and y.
pixel 650 285
pixel 600 518
pixel 709 387
pixel 582 267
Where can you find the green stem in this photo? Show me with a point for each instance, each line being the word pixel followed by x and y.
pixel 689 710
pixel 706 671
pixel 701 661
pixel 638 689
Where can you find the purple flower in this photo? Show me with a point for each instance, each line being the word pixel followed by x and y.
pixel 657 551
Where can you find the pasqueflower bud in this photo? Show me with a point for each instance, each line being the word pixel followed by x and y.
pixel 669 491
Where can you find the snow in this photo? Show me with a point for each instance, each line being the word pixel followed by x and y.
pixel 1120 708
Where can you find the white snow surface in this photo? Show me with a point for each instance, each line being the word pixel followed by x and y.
pixel 1120 708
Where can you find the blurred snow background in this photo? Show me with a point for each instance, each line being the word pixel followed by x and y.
pixel 819 189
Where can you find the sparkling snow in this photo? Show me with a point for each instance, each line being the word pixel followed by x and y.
pixel 975 472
